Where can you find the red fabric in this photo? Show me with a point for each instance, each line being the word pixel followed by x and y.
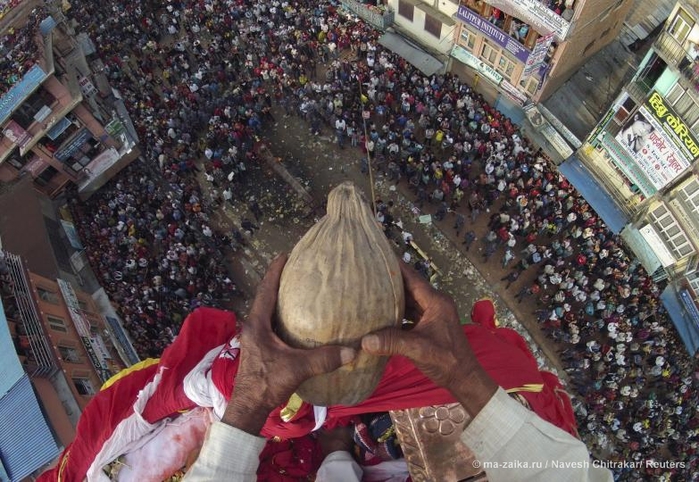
pixel 402 386
pixel 101 415
pixel 289 460
pixel 203 330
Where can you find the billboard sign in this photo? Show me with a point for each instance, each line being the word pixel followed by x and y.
pixel 631 170
pixel 497 35
pixel 16 134
pixel 651 148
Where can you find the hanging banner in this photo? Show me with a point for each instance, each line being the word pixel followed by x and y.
pixel 538 55
pixel 651 148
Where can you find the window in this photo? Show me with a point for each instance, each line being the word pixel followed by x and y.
pixel 489 54
pixel 671 232
pixel 83 385
pixel 689 195
pixel 47 295
pixel 83 305
pixel 683 103
pixel 468 40
pixel 623 112
pixel 433 25
pixel 505 67
pixel 681 25
pixel 24 115
pixel 57 324
pixel 406 9
pixel 69 354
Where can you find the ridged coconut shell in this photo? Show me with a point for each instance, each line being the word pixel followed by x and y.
pixel 341 281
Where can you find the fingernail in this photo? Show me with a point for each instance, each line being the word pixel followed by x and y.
pixel 347 355
pixel 371 342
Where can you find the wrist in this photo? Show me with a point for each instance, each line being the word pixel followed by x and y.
pixel 474 390
pixel 247 415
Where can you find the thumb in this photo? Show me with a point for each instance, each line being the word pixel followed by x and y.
pixel 391 341
pixel 328 358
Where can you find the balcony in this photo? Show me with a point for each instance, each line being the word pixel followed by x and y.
pixel 378 16
pixel 32 344
pixel 675 54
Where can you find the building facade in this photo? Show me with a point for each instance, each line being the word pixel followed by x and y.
pixel 57 126
pixel 54 356
pixel 643 155
pixel 429 22
pixel 526 49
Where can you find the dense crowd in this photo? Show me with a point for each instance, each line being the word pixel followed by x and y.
pixel 19 50
pixel 204 78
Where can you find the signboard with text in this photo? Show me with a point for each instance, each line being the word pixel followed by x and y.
pixel 538 55
pixel 72 146
pixel 631 170
pixel 20 91
pixel 497 35
pixel 537 14
pixel 463 55
pixel 673 125
pixel 651 148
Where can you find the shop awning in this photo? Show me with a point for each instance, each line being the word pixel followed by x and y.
pixel 640 247
pixel 594 194
pixel 684 315
pixel 423 61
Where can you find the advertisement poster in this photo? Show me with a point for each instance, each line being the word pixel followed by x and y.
pixel 651 149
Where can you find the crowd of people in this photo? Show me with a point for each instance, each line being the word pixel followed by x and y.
pixel 203 79
pixel 151 247
pixel 19 50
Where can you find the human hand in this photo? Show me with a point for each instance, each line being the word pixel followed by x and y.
pixel 436 344
pixel 270 370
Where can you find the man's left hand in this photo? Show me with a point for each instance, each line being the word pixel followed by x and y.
pixel 270 371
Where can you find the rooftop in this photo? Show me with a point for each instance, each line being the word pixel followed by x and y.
pixel 20 47
pixel 593 88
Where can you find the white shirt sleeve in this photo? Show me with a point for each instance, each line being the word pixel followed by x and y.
pixel 339 466
pixel 515 444
pixel 228 454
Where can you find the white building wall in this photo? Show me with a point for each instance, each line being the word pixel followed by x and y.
pixel 416 28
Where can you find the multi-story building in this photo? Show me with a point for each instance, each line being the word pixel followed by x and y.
pixel 429 22
pixel 53 359
pixel 57 126
pixel 643 157
pixel 526 49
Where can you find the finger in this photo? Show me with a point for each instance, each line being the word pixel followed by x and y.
pixel 392 341
pixel 327 358
pixel 416 286
pixel 266 298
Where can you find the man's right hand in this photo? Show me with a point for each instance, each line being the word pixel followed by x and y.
pixel 436 344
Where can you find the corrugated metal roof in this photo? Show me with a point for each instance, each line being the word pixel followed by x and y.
pixel 423 61
pixel 26 440
pixel 10 368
